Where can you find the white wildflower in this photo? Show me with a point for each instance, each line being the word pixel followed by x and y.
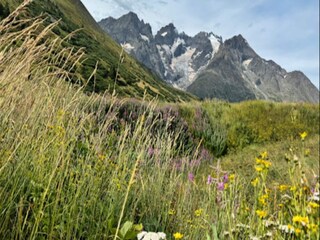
pixel 241 225
pixel 255 238
pixel 286 228
pixel 269 223
pixel 269 234
pixel 151 236
pixel 315 197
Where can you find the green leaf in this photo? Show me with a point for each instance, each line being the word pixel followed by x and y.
pixel 138 227
pixel 208 237
pixel 111 223
pixel 215 233
pixel 131 235
pixel 127 226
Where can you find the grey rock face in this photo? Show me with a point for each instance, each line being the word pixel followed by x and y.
pixel 206 66
pixel 175 57
pixel 136 38
pixel 237 73
pixel 166 35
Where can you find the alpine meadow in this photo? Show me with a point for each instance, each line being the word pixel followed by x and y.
pixel 94 144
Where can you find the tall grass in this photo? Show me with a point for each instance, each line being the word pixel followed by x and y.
pixel 65 163
pixel 73 167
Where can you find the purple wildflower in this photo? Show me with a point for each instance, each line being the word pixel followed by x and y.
pixel 150 151
pixel 220 186
pixel 209 180
pixel 191 177
pixel 225 178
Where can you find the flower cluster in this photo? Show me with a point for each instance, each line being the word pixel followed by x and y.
pixel 302 220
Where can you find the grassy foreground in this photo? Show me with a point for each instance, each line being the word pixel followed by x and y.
pixel 74 165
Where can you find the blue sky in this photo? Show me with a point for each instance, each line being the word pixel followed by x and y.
pixel 286 31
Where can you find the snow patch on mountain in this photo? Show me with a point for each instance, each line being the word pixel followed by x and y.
pixel 164 34
pixel 247 62
pixel 182 65
pixel 209 56
pixel 194 56
pixel 215 42
pixel 145 38
pixel 176 44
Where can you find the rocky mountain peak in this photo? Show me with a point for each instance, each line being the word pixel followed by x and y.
pixel 238 48
pixel 126 28
pixel 131 16
pixel 134 24
pixel 166 35
pixel 237 42
pixel 202 35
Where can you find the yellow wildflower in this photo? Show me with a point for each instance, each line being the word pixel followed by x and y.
pixel 198 212
pixel 280 205
pixel 231 177
pixel 255 182
pixel 297 231
pixel 313 227
pixel 299 219
pixel 293 189
pixel 259 161
pixel 267 164
pixel 262 164
pixel 313 205
pixel 264 155
pixel 303 135
pixel 171 212
pixel 261 213
pixel 283 187
pixel 307 152
pixel 263 199
pixel 178 235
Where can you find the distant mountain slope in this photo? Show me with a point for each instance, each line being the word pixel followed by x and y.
pixel 132 78
pixel 206 66
pixel 237 73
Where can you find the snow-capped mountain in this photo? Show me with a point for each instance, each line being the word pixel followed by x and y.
pixel 206 66
pixel 184 57
pixel 175 57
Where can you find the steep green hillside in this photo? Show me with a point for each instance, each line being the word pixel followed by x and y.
pixel 115 69
pixel 86 166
